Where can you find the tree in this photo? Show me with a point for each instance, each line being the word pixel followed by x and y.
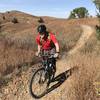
pixel 80 12
pixel 97 3
pixel 72 15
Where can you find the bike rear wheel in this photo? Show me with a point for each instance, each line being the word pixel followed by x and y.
pixel 38 84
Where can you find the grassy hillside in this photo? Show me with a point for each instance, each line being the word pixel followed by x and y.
pixel 17 49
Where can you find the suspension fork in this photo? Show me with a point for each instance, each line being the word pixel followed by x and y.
pixel 47 74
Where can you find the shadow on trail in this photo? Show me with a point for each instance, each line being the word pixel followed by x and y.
pixel 60 79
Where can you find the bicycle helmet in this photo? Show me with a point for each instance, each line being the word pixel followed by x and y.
pixel 41 29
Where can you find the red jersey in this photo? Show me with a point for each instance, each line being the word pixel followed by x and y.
pixel 48 42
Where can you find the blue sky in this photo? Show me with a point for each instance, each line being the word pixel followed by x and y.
pixel 55 8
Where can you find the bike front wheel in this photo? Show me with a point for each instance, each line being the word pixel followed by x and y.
pixel 39 83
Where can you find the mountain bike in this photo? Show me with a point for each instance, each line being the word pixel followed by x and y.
pixel 43 76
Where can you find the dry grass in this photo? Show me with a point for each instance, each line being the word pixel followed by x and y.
pixel 19 48
pixel 88 62
pixel 14 51
pixel 19 45
pixel 82 85
pixel 67 40
pixel 91 46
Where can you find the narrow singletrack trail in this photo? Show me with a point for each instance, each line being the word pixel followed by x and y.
pixel 87 32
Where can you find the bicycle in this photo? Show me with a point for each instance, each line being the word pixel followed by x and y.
pixel 43 76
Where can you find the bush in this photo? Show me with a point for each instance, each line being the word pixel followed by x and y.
pixel 14 20
pixel 41 20
pixel 98 32
pixel 0 26
pixel 3 17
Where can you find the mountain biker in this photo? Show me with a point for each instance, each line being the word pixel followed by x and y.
pixel 47 41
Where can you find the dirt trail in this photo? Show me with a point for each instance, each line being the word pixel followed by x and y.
pixel 18 89
pixel 87 32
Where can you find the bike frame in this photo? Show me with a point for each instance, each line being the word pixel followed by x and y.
pixel 48 66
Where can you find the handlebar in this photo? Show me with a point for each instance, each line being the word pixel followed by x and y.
pixel 47 55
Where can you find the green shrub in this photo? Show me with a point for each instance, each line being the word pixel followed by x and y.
pixel 80 12
pixel 98 32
